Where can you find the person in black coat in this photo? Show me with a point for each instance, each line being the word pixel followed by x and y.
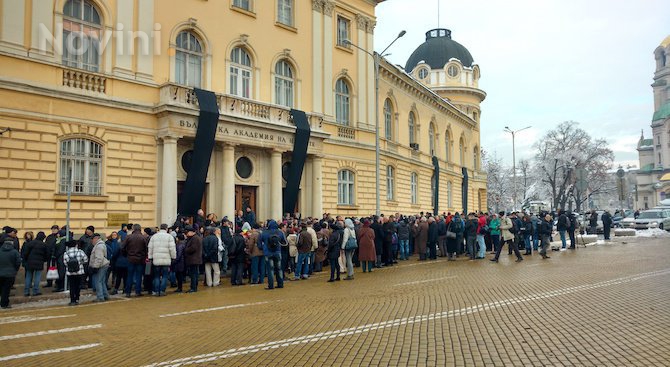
pixel 545 228
pixel 433 235
pixel 571 229
pixel 51 248
pixel 387 253
pixel 607 224
pixel 35 255
pixel 334 249
pixel 593 222
pixel 471 235
pixel 10 262
pixel 237 257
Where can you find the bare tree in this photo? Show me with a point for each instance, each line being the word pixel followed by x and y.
pixel 499 182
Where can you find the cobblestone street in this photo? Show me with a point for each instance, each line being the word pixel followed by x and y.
pixel 605 305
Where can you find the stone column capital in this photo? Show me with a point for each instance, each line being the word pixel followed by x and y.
pixel 169 138
pixel 317 5
pixel 328 7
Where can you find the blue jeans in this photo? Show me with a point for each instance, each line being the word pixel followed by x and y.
pixel 482 246
pixel 100 283
pixel 273 264
pixel 404 249
pixel 135 272
pixel 302 266
pixel 258 269
pixel 562 234
pixel 471 243
pixel 161 274
pixel 526 240
pixel 32 278
pixel 536 241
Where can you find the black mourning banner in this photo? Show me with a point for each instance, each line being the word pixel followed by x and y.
pixel 436 186
pixel 300 145
pixel 194 188
pixel 465 190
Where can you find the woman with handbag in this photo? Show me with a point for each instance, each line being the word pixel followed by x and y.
pixel 349 245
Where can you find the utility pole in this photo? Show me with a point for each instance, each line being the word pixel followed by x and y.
pixel 513 132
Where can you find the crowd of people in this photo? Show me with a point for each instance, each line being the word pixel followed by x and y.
pixel 147 259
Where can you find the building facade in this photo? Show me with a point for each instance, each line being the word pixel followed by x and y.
pixel 98 96
pixel 653 177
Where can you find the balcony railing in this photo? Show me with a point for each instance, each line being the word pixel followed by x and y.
pixel 346 132
pixel 83 80
pixel 233 106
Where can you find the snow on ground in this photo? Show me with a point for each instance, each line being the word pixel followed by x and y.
pixel 654 232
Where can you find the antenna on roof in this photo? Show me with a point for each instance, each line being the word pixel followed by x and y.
pixel 438 17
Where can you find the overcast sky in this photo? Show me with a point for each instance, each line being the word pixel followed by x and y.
pixel 544 62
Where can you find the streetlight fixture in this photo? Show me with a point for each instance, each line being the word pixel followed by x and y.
pixel 513 132
pixel 377 58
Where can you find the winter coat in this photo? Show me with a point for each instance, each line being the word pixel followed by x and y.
pixel 481 222
pixel 193 251
pixel 210 249
pixel 563 222
pixel 315 240
pixel 335 242
pixel 15 241
pixel 379 236
pixel 135 248
pixel 162 248
pixel 252 243
pixel 495 226
pixel 237 254
pixel 471 227
pixel 273 229
pixel 178 262
pixel 72 253
pixel 607 220
pixel 51 246
pixel 403 231
pixel 98 256
pixel 433 232
pixel 421 238
pixel 250 217
pixel 505 225
pixel 593 220
pixel 389 230
pixel 304 243
pixel 112 251
pixel 442 228
pixel 35 255
pixel 366 244
pixel 10 260
pixel 545 228
pixel 321 252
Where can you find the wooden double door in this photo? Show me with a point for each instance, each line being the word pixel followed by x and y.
pixel 245 197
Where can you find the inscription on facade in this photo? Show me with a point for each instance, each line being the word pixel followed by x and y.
pixel 245 133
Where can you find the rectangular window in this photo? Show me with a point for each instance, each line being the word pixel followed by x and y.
pixel 343 25
pixel 414 188
pixel 242 4
pixel 80 167
pixel 285 12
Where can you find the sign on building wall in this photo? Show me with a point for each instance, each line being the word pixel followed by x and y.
pixel 117 219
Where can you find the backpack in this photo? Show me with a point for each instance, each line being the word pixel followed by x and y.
pixel 351 243
pixel 514 229
pixel 273 242
pixel 73 264
pixel 456 225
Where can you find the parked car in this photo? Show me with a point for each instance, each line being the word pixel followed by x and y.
pixel 629 221
pixel 653 218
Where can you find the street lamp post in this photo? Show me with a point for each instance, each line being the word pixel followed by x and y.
pixel 513 132
pixel 376 57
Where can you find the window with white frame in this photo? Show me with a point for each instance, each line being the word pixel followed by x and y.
pixel 431 138
pixel 285 12
pixel 345 187
pixel 414 188
pixel 447 144
pixel 388 119
pixel 188 60
pixel 82 32
pixel 284 84
pixel 242 4
pixel 475 158
pixel 449 195
pixel 343 27
pixel 411 128
pixel 80 167
pixel 240 73
pixel 390 183
pixel 342 110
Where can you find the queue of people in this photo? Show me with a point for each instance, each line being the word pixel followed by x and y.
pixel 145 260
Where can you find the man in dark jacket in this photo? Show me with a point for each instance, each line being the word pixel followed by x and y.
pixel 562 226
pixel 136 250
pixel 387 250
pixel 471 235
pixel 544 228
pixel 237 257
pixel 227 239
pixel 433 236
pixel 10 234
pixel 10 262
pixel 334 249
pixel 607 224
pixel 442 236
pixel 193 256
pixel 571 229
pixel 210 256
pixel 51 248
pixel 35 255
pixel 250 216
pixel 403 239
pixel 593 222
pixel 272 253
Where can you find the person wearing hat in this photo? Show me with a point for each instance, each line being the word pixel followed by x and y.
pixel 99 266
pixel 193 256
pixel 74 260
pixel 10 234
pixel 10 262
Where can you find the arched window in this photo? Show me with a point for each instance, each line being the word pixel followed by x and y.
pixel 80 167
pixel 412 128
pixel 390 183
pixel 461 151
pixel 449 195
pixel 414 188
pixel 342 110
pixel 284 84
pixel 388 119
pixel 82 32
pixel 188 58
pixel 345 187
pixel 475 158
pixel 447 144
pixel 240 73
pixel 431 138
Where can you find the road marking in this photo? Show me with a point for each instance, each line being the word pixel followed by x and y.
pixel 29 307
pixel 210 357
pixel 213 309
pixel 49 351
pixel 16 319
pixel 424 281
pixel 50 332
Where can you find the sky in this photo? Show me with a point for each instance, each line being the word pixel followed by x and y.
pixel 545 62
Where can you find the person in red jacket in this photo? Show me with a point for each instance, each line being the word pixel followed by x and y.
pixel 482 228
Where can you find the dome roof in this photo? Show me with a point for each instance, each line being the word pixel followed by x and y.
pixel 437 50
pixel 665 42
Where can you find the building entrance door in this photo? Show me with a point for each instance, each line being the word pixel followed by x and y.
pixel 245 197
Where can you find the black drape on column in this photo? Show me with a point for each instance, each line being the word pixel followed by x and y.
pixel 194 188
pixel 436 193
pixel 300 145
pixel 465 190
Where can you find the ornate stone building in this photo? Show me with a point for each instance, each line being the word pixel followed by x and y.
pixel 98 95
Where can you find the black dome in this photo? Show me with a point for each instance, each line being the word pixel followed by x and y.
pixel 437 50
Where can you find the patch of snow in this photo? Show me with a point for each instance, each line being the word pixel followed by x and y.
pixel 654 232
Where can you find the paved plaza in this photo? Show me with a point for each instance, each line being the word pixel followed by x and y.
pixel 605 305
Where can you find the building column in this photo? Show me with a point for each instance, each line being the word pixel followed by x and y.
pixel 276 198
pixel 317 190
pixel 228 196
pixel 169 181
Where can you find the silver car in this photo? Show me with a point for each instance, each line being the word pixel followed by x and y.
pixel 653 218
